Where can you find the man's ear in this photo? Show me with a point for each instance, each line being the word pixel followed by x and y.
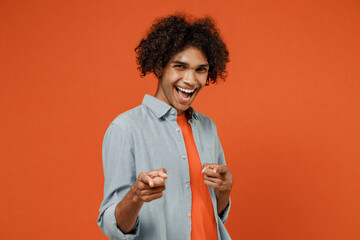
pixel 158 72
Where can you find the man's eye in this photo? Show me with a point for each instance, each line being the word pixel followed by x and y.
pixel 179 66
pixel 202 69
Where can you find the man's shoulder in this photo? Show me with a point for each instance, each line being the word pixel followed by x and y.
pixel 203 118
pixel 130 116
pixel 205 121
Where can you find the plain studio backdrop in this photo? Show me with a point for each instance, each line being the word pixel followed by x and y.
pixel 288 114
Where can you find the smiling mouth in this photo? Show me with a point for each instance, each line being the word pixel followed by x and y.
pixel 184 94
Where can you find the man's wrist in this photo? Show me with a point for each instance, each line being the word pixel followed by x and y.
pixel 222 198
pixel 134 198
pixel 223 194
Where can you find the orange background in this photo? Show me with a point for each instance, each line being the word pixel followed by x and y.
pixel 288 114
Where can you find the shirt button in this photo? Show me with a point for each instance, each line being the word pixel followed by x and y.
pixel 178 129
pixel 187 185
pixel 183 157
pixel 172 112
pixel 189 214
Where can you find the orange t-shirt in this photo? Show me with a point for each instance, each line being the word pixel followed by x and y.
pixel 203 223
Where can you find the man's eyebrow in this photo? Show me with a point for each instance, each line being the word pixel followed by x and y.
pixel 204 65
pixel 180 62
pixel 186 64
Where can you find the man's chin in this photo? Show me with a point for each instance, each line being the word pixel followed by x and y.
pixel 181 108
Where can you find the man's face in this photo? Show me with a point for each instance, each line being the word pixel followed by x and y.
pixel 182 78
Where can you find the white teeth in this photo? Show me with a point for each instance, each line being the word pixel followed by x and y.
pixel 186 90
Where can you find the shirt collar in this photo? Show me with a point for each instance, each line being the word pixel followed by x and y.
pixel 160 108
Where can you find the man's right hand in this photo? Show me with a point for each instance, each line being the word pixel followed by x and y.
pixel 149 185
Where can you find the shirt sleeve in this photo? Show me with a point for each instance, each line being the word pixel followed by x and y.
pixel 224 215
pixel 120 175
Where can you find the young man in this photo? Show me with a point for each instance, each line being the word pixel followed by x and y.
pixel 165 144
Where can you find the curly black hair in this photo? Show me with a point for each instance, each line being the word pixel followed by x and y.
pixel 170 35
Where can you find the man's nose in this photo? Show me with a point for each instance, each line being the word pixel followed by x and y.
pixel 189 77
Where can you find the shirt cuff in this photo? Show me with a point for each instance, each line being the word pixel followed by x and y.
pixel 224 215
pixel 113 232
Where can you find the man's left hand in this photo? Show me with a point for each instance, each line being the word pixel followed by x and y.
pixel 220 178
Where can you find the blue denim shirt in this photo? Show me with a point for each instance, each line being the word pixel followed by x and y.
pixel 146 138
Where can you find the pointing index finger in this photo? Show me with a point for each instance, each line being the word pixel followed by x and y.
pixel 145 178
pixel 158 173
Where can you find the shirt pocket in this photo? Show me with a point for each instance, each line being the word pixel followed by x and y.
pixel 208 156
